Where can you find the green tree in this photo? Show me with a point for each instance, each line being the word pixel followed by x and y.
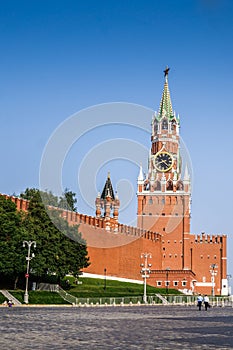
pixel 47 196
pixel 12 257
pixel 68 200
pixel 60 248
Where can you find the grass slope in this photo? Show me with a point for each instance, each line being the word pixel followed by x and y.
pixel 93 287
pixel 39 297
pixel 88 288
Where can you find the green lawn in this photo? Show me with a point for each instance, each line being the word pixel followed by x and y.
pixel 88 288
pixel 93 287
pixel 39 297
pixel 2 298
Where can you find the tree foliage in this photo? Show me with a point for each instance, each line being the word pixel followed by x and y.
pixel 12 259
pixel 60 248
pixel 67 201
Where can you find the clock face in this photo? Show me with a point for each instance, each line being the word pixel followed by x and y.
pixel 163 161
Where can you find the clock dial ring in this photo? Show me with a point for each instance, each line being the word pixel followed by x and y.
pixel 163 161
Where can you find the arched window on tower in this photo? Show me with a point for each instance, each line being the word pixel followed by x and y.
pixel 173 125
pixel 146 185
pixel 155 126
pixel 150 200
pixel 169 186
pixel 164 124
pixel 179 186
pixel 157 186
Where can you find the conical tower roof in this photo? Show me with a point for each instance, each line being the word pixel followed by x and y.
pixel 165 108
pixel 108 189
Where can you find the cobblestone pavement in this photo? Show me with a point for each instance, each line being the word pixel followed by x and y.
pixel 122 327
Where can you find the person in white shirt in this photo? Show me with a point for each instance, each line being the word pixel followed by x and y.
pixel 206 302
pixel 199 301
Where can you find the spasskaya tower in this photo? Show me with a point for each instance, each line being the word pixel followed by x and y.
pixel 164 194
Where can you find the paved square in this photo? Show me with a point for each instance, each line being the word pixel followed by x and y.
pixel 122 327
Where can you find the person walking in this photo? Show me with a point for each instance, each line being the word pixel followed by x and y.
pixel 206 302
pixel 9 303
pixel 199 301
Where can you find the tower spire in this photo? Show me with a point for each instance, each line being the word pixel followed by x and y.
pixel 108 189
pixel 165 108
pixel 140 176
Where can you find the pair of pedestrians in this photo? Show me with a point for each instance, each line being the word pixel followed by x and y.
pixel 201 299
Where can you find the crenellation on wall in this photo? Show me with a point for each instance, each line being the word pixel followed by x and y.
pixel 21 203
pixel 210 239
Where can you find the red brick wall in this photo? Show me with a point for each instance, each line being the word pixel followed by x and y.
pixel 120 252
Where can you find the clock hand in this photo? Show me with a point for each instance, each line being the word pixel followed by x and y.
pixel 163 161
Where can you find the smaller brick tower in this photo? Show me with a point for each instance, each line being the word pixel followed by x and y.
pixel 107 206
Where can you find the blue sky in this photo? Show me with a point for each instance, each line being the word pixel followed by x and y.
pixel 59 57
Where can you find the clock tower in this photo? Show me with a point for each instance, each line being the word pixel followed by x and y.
pixel 164 194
